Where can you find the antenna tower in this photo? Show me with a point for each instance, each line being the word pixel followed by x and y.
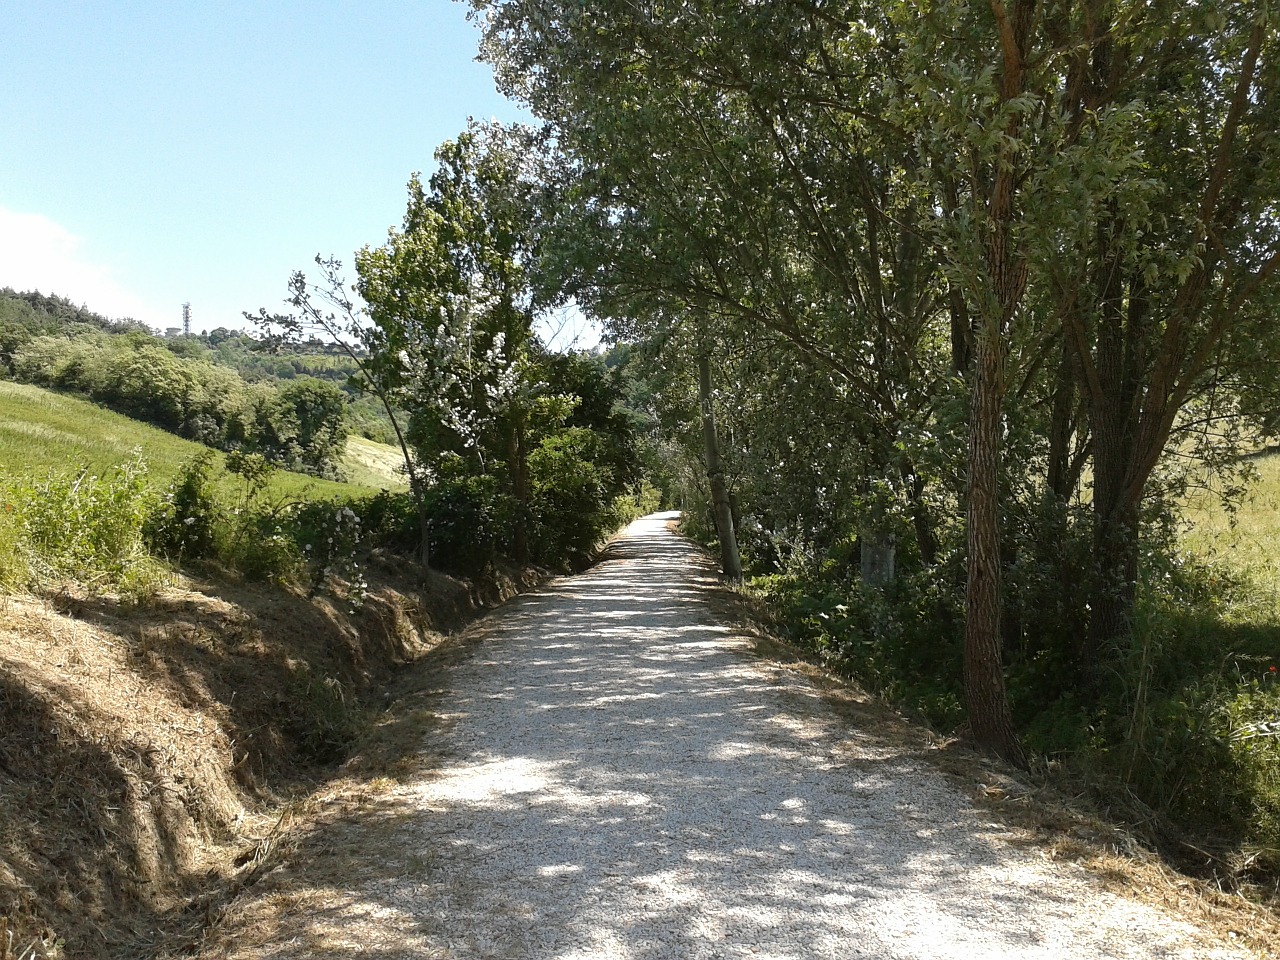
pixel 186 319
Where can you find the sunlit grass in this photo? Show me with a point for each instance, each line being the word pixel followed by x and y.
pixel 43 433
pixel 1247 540
pixel 374 464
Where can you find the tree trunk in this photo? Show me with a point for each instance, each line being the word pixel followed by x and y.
pixel 878 549
pixel 1115 593
pixel 920 519
pixel 986 700
pixel 1061 481
pixel 730 561
pixel 424 521
pixel 985 697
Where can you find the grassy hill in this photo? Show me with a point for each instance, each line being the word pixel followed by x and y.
pixel 374 464
pixel 42 432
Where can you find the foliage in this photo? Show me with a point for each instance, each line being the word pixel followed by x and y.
pixel 301 426
pixel 331 533
pixel 79 527
pixel 507 448
pixel 472 520
pixel 185 523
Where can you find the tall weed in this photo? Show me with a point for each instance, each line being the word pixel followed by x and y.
pixel 81 527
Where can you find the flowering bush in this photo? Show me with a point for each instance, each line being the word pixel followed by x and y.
pixel 332 555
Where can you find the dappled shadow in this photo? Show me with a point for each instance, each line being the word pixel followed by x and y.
pixel 278 667
pixel 622 781
pixel 77 815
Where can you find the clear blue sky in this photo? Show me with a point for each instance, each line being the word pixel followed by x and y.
pixel 159 152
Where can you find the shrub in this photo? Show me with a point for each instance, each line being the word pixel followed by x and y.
pixel 326 719
pixel 82 527
pixel 186 521
pixel 471 522
pixel 643 499
pixel 1249 723
pixel 257 543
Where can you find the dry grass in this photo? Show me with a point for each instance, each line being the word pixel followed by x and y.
pixel 372 464
pixel 154 760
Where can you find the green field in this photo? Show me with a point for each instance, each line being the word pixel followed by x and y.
pixel 42 432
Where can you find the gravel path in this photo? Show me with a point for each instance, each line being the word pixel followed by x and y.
pixel 621 780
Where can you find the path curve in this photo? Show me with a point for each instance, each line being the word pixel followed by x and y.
pixel 621 779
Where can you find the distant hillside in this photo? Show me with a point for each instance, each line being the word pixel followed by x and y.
pixel 43 432
pixel 26 317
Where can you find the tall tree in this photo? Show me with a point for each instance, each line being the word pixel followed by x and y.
pixel 453 299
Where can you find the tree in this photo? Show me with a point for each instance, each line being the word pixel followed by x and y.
pixel 327 310
pixel 735 168
pixel 453 301
pixel 1174 284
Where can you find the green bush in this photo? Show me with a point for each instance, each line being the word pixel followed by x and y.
pixel 643 499
pixel 325 719
pixel 471 522
pixel 186 522
pixel 1249 723
pixel 81 527
pixel 571 496
pixel 390 520
pixel 256 541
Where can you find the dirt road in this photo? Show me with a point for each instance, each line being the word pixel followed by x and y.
pixel 619 778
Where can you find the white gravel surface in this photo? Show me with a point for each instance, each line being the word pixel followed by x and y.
pixel 622 780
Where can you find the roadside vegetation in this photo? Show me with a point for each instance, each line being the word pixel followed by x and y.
pixel 195 635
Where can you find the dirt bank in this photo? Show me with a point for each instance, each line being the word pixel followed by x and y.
pixel 153 757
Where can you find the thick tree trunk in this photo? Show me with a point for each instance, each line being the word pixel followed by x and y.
pixel 1114 421
pixel 730 561
pixel 985 696
pixel 986 700
pixel 1115 545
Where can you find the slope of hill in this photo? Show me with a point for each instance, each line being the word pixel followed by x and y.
pixel 374 464
pixel 43 432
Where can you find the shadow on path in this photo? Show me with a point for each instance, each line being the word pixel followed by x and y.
pixel 620 780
